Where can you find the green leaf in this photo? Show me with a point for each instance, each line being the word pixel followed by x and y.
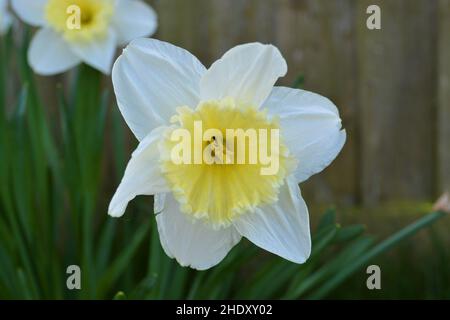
pixel 331 267
pixel 298 82
pixel 382 247
pixel 123 260
pixel 120 296
pixel 349 233
pixel 328 218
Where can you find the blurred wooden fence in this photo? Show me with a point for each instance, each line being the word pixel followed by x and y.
pixel 392 86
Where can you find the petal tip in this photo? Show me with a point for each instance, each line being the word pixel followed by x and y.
pixel 114 212
pixel 443 203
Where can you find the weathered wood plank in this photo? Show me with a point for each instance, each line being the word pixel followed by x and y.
pixel 317 39
pixel 185 23
pixel 397 100
pixel 443 123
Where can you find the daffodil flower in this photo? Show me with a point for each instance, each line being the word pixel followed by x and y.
pixel 5 17
pixel 203 210
pixel 75 31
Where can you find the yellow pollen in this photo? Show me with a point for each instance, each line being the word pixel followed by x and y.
pixel 229 181
pixel 80 20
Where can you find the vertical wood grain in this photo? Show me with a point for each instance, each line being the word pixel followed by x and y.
pixel 316 38
pixel 443 123
pixel 397 100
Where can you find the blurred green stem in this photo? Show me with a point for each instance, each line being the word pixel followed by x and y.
pixel 85 109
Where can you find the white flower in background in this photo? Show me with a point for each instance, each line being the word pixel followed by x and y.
pixel 5 17
pixel 89 31
pixel 202 211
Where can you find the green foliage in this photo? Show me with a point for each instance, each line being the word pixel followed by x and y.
pixel 53 208
pixel 298 82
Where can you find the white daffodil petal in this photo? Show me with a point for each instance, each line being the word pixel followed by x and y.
pixel 142 175
pixel 134 19
pixel 158 202
pixel 6 20
pixel 49 54
pixel 98 54
pixel 5 17
pixel 310 126
pixel 191 242
pixel 246 73
pixel 30 11
pixel 281 228
pixel 151 79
